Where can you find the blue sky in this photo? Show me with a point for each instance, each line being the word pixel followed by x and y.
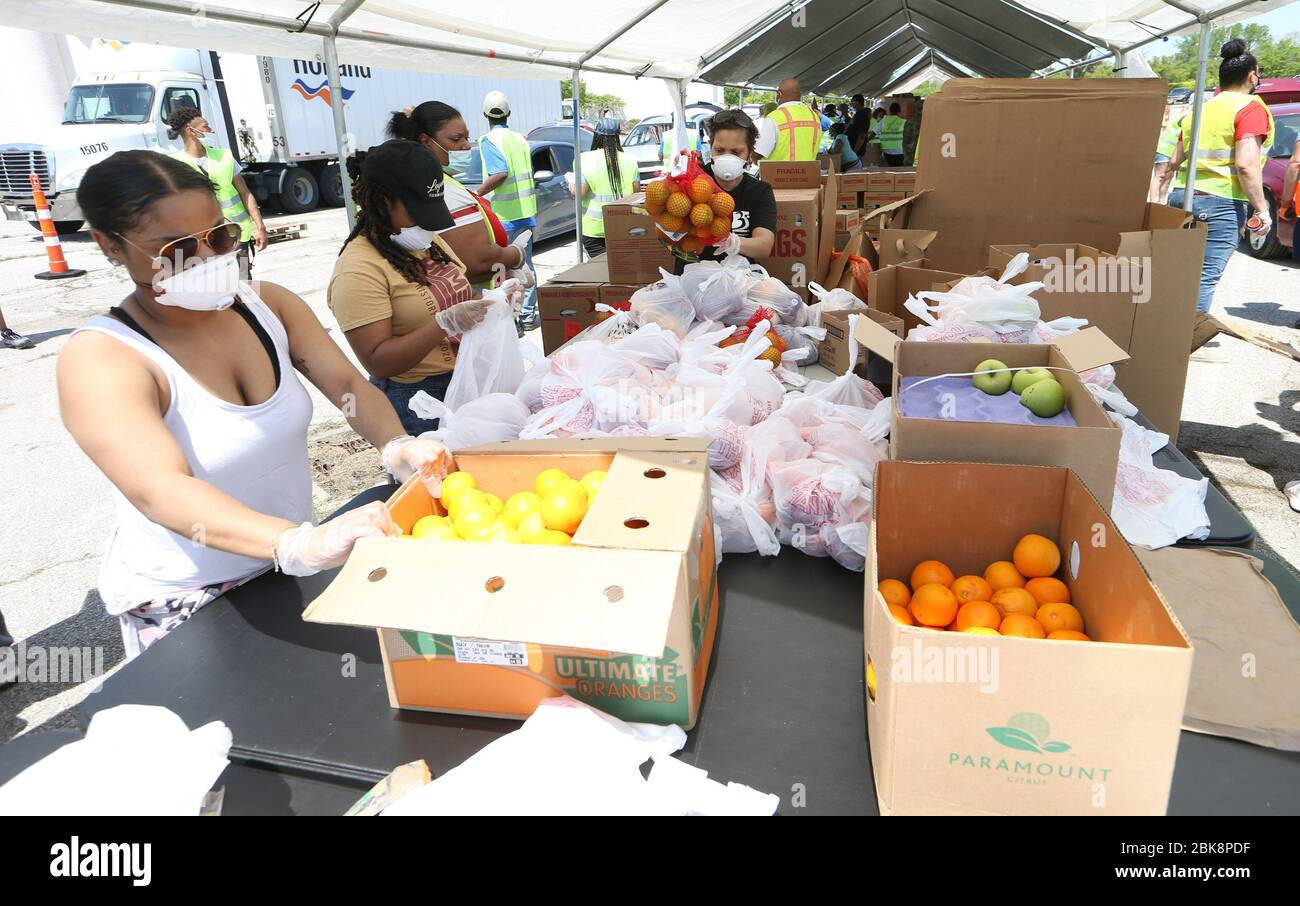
pixel 1282 21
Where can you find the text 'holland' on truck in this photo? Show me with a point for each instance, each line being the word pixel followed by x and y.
pixel 274 114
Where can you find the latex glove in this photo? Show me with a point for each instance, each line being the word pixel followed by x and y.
pixel 1265 223
pixel 511 291
pixel 406 456
pixel 525 275
pixel 307 549
pixel 728 245
pixel 521 242
pixel 462 316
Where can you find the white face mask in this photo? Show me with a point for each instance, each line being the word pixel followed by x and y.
pixel 210 286
pixel 728 167
pixel 413 238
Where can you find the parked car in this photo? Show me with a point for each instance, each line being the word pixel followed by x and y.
pixel 562 131
pixel 551 160
pixel 1286 127
pixel 644 141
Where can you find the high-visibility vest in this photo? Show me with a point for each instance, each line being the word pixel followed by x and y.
pixel 798 132
pixel 1168 141
pixel 668 144
pixel 1216 172
pixel 596 176
pixel 891 134
pixel 516 198
pixel 221 172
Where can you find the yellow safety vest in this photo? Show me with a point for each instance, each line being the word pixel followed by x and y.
pixel 1168 141
pixel 798 132
pixel 516 198
pixel 668 144
pixel 221 172
pixel 596 176
pixel 1216 172
pixel 891 134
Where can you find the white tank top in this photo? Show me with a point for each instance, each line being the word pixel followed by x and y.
pixel 256 454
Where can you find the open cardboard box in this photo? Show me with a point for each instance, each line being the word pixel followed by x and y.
pixel 623 620
pixel 1090 447
pixel 632 242
pixel 805 223
pixel 1105 714
pixel 1062 191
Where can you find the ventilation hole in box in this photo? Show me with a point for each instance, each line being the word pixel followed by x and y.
pixel 688 461
pixel 377 574
pixel 614 594
pixel 654 473
pixel 1074 560
pixel 494 585
pixel 636 522
pixel 870 676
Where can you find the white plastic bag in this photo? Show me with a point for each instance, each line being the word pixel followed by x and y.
pixel 1154 507
pixel 651 346
pixel 847 544
pixel 663 303
pixel 618 324
pixel 980 305
pixel 488 419
pixel 809 494
pixel 489 359
pixel 830 300
pixel 588 387
pixel 775 296
pixel 717 288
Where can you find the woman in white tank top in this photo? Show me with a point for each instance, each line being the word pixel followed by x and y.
pixel 188 397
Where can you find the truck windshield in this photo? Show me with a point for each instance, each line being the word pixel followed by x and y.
pixel 116 103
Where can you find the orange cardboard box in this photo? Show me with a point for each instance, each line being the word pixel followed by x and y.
pixel 624 619
pixel 983 725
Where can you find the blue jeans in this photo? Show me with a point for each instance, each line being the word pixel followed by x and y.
pixel 1223 219
pixel 399 394
pixel 513 229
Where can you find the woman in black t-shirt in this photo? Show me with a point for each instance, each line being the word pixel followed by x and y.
pixel 732 135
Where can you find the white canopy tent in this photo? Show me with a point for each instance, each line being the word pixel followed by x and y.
pixel 750 43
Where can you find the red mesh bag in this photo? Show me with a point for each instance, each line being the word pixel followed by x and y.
pixel 690 212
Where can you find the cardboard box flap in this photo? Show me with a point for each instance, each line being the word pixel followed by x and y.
pixel 887 210
pixel 595 445
pixel 878 339
pixel 1089 348
pixel 903 246
pixel 594 271
pixel 600 599
pixel 650 500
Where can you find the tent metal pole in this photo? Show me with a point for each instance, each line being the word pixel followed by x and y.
pixel 1202 58
pixel 577 162
pixel 340 126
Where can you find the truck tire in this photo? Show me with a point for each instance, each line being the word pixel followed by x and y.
pixel 298 191
pixel 62 227
pixel 331 186
pixel 1265 247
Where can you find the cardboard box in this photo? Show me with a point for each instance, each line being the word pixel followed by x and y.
pixel 853 182
pixel 791 174
pixel 1090 447
pixel 1059 190
pixel 623 620
pixel 847 219
pixel 1105 715
pixel 632 244
pixel 848 200
pixel 567 302
pixel 833 352
pixel 805 236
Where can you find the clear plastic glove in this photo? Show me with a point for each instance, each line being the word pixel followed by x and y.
pixel 526 276
pixel 728 245
pixel 521 242
pixel 511 291
pixel 462 316
pixel 306 549
pixel 406 456
pixel 1260 223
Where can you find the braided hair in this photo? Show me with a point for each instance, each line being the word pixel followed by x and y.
pixel 611 146
pixel 375 223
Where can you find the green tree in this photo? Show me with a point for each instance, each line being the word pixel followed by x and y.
pixel 925 89
pixel 1102 69
pixel 731 97
pixel 1278 57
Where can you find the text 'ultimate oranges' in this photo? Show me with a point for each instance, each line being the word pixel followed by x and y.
pixel 1018 597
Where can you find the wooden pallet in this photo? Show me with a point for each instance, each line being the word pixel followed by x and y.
pixel 282 232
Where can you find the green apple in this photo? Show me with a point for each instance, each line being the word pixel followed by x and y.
pixel 997 382
pixel 1026 376
pixel 1044 398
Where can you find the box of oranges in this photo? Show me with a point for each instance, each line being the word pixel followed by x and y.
pixel 579 567
pixel 1019 659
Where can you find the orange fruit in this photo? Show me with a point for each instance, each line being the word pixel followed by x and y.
pixel 901 615
pixel 981 630
pixel 978 613
pixel 1059 616
pixel 723 204
pixel 654 207
pixel 721 226
pixel 1047 590
pixel 691 245
pixel 1014 600
pixel 657 192
pixel 1068 635
pixel 549 480
pixel 929 572
pixel 678 205
pixel 704 234
pixel 701 190
pixel 1003 574
pixel 1020 625
pixel 702 215
pixel 672 223
pixel 894 592
pixel 563 508
pixel 933 605
pixel 971 588
pixel 1036 556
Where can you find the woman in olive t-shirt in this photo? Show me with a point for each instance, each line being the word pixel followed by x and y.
pixel 399 293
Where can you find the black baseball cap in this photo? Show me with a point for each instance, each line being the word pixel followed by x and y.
pixel 412 173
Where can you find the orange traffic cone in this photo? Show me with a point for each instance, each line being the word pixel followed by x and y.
pixel 53 249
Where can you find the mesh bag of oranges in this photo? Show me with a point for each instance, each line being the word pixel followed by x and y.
pixel 689 209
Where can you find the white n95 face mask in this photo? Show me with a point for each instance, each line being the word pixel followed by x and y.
pixel 728 167
pixel 210 286
pixel 413 238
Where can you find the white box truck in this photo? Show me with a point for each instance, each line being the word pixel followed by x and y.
pixel 274 114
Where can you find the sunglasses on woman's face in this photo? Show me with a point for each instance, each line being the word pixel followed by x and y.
pixel 221 238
